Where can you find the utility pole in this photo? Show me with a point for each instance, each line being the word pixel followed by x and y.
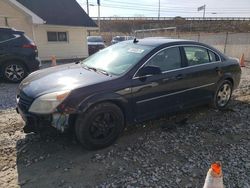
pixel 6 21
pixel 88 7
pixel 159 10
pixel 88 14
pixel 99 22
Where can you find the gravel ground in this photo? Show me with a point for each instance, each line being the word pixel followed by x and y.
pixel 171 151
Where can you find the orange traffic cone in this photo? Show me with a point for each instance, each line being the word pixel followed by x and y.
pixel 53 61
pixel 214 177
pixel 242 61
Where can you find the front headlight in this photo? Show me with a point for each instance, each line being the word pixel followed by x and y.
pixel 47 103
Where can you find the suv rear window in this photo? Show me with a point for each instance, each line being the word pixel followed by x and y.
pixel 95 39
pixel 6 36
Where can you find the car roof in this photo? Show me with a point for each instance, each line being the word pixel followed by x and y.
pixel 6 29
pixel 94 36
pixel 157 41
pixel 9 29
pixel 123 36
pixel 163 41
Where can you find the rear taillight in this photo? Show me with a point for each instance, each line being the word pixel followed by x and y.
pixel 31 46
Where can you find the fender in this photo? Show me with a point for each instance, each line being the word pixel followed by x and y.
pixel 232 73
pixel 227 76
pixel 9 57
pixel 119 100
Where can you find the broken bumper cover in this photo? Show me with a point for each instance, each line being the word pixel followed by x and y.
pixel 36 123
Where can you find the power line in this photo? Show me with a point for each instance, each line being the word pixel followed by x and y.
pixel 165 11
pixel 180 9
pixel 154 9
pixel 168 6
pixel 140 4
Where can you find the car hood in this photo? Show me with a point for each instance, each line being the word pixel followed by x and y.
pixel 60 78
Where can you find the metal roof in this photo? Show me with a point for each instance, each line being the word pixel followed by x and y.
pixel 59 12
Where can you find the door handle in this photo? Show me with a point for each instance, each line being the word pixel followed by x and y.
pixel 179 77
pixel 166 79
pixel 219 70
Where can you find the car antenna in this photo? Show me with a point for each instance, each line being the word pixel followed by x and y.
pixel 135 40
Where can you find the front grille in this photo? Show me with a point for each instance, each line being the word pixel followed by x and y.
pixel 24 101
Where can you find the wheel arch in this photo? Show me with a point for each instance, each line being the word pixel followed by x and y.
pixel 17 59
pixel 83 125
pixel 228 77
pixel 113 98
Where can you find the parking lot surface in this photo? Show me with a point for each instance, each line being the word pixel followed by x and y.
pixel 173 151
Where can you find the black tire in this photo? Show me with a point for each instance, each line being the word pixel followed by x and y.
pixel 222 95
pixel 14 71
pixel 100 126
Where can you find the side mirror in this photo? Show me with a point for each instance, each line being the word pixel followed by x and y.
pixel 149 70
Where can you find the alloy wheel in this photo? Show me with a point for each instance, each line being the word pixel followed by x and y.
pixel 224 94
pixel 14 72
pixel 103 126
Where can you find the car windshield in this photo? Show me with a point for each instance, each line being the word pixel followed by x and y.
pixel 117 59
pixel 95 39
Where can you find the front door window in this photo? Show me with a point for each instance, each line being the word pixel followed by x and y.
pixel 167 59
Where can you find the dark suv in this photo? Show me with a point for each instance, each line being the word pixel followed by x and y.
pixel 18 55
pixel 95 43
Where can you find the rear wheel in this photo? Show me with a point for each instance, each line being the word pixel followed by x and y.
pixel 223 94
pixel 14 71
pixel 100 126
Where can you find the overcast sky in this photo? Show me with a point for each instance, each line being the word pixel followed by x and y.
pixel 171 8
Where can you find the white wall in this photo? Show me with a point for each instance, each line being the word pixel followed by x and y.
pixel 16 18
pixel 232 44
pixel 76 47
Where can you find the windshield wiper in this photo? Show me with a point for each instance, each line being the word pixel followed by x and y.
pixel 92 68
pixel 96 70
pixel 89 68
pixel 103 72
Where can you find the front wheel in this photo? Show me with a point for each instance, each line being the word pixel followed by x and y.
pixel 14 71
pixel 223 94
pixel 100 126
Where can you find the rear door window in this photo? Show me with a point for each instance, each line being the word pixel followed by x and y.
pixel 196 55
pixel 213 57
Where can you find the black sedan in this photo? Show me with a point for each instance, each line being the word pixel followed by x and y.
pixel 126 83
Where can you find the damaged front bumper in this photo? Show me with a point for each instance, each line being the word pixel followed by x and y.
pixel 36 122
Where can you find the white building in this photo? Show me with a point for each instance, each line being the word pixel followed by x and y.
pixel 58 27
